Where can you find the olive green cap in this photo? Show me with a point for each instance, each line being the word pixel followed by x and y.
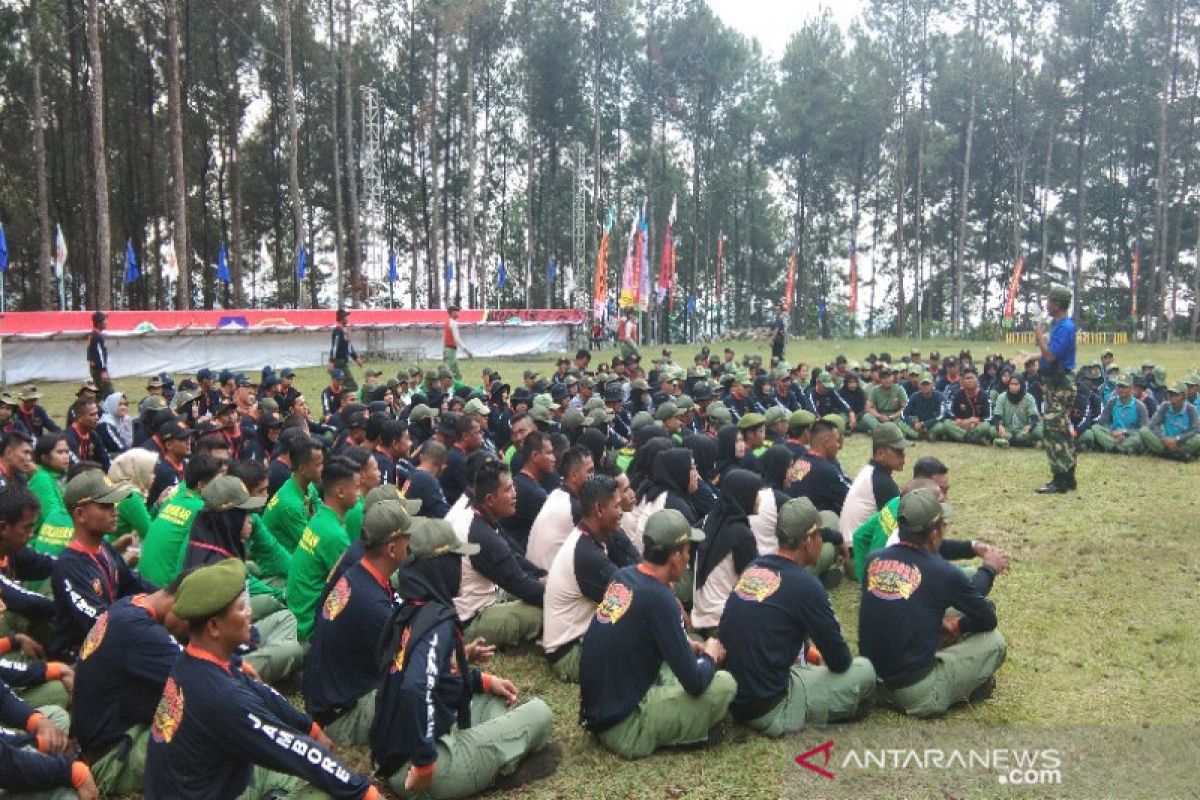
pixel 836 419
pixel 670 530
pixel 719 412
pixel 209 590
pixel 920 510
pixel 751 420
pixel 1060 295
pixel 1178 388
pixel 93 486
pixel 797 519
pixel 543 400
pixel 388 491
pixel 421 411
pixel 889 435
pixel 684 403
pixel 573 418
pixel 775 414
pixel 226 492
pixel 539 413
pixel 475 406
pixel 430 537
pixel 800 418
pixel 666 411
pixel 826 380
pixel 385 521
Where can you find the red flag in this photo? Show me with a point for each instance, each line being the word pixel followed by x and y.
pixel 1137 266
pixel 852 305
pixel 1010 304
pixel 791 283
pixel 720 261
pixel 666 262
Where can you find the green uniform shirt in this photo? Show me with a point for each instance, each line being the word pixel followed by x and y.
pixel 1015 417
pixel 886 402
pixel 132 516
pixel 321 545
pixel 874 533
pixel 162 549
pixel 354 520
pixel 289 511
pixel 54 526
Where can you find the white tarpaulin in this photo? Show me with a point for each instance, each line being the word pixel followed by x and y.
pixel 61 356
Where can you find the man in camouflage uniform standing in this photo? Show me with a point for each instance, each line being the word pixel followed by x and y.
pixel 1055 366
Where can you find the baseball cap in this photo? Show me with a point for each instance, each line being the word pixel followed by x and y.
pixel 174 429
pixel 826 380
pixel 430 537
pixel 388 491
pixel 385 521
pixel 226 492
pixel 93 486
pixel 573 418
pixel 475 406
pixel 640 420
pixel 800 418
pixel 287 372
pixel 751 420
pixel 889 435
pixel 920 510
pixel 337 374
pixel 539 413
pixel 775 414
pixel 670 530
pixel 421 411
pixel 797 519
pixel 207 591
pixel 666 411
pixel 719 412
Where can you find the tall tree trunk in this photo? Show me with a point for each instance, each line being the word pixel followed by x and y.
pixel 956 321
pixel 1154 304
pixel 335 128
pixel 103 254
pixel 45 277
pixel 183 298
pixel 436 266
pixel 414 117
pixel 472 267
pixel 293 141
pixel 530 180
pixel 598 214
pixel 355 279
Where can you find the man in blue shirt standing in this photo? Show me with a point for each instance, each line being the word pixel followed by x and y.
pixel 1055 366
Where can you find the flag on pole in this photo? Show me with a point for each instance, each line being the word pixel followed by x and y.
pixel 60 252
pixel 501 274
pixel 1133 281
pixel 551 271
pixel 170 269
pixel 131 266
pixel 393 273
pixel 790 288
pixel 301 262
pixel 644 259
pixel 449 279
pixel 600 289
pixel 223 266
pixel 630 282
pixel 264 255
pixel 3 251
pixel 720 261
pixel 1010 304
pixel 666 262
pixel 852 304
pixel 569 283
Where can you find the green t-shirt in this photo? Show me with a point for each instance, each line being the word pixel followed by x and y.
pixel 132 516
pixel 354 520
pixel 874 533
pixel 48 486
pixel 167 537
pixel 321 545
pixel 886 402
pixel 1015 417
pixel 54 526
pixel 289 511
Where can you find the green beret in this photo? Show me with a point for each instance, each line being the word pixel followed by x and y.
pixel 209 590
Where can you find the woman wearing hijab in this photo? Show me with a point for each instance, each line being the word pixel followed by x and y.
pixel 419 736
pixel 731 450
pixel 775 466
pixel 220 531
pixel 1015 416
pixel 135 467
pixel 727 549
pixel 116 427
pixel 596 443
pixel 672 483
pixel 852 392
pixel 704 453
pixel 641 466
pixel 762 395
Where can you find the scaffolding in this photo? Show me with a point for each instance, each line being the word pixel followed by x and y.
pixel 375 246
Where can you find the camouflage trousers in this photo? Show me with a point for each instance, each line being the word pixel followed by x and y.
pixel 1056 422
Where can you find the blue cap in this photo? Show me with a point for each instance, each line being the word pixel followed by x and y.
pixel 287 372
pixel 205 374
pixel 337 374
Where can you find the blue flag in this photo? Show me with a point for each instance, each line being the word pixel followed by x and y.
pixel 449 274
pixel 501 274
pixel 393 273
pixel 301 262
pixel 821 308
pixel 131 267
pixel 551 271
pixel 3 250
pixel 222 266
pixel 691 305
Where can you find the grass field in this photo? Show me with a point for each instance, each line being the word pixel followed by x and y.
pixel 1099 611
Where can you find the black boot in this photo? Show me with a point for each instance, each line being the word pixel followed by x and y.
pixel 1056 486
pixel 1070 480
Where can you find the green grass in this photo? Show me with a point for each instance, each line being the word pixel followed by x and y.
pixel 1098 610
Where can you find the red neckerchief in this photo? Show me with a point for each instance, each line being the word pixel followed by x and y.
pixel 85 442
pixel 973 400
pixel 646 570
pixel 380 579
pixel 162 448
pixel 107 570
pixel 167 458
pixel 195 652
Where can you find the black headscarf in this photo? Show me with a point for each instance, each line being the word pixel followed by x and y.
pixel 739 490
pixel 761 385
pixel 1019 396
pixel 704 451
pixel 640 467
pixel 774 466
pixel 672 471
pixel 215 536
pixel 596 443
pixel 727 449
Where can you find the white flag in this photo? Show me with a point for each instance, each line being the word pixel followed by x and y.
pixel 170 261
pixel 60 252
pixel 264 256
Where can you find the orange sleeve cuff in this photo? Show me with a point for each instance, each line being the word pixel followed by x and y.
pixel 372 794
pixel 424 769
pixel 54 670
pixel 486 679
pixel 32 723
pixel 314 731
pixel 79 774
pixel 6 645
pixel 251 671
